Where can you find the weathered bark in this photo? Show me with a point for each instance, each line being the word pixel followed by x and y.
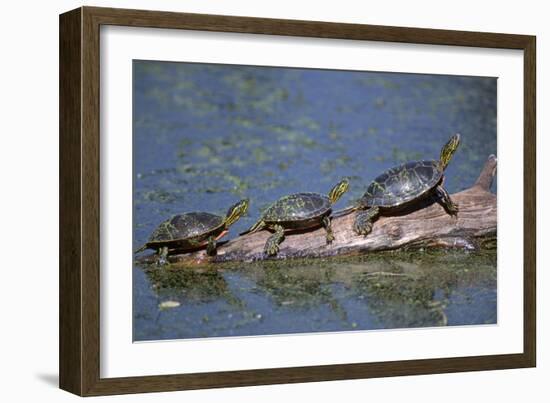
pixel 424 225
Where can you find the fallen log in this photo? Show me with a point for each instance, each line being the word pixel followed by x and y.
pixel 424 225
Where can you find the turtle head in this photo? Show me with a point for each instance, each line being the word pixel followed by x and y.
pixel 235 212
pixel 448 150
pixel 338 190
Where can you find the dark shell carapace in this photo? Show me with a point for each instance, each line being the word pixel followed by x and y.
pixel 403 183
pixel 298 207
pixel 184 226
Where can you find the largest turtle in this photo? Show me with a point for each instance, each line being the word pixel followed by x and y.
pixel 400 186
pixel 296 212
pixel 191 231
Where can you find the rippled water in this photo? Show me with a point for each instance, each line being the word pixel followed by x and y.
pixel 208 135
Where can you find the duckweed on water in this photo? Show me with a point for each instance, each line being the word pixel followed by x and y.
pixel 389 290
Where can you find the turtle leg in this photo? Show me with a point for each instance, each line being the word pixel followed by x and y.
pixel 364 219
pixel 328 228
pixel 445 200
pixel 163 256
pixel 271 247
pixel 211 248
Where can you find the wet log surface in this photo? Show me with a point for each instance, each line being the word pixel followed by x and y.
pixel 424 225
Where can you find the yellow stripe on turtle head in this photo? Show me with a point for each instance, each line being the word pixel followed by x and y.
pixel 236 211
pixel 338 190
pixel 448 150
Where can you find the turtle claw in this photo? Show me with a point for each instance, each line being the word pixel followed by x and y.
pixel 362 226
pixel 271 249
pixel 211 250
pixel 364 221
pixel 453 210
pixel 211 247
pixel 330 235
pixel 445 200
pixel 364 229
pixel 163 256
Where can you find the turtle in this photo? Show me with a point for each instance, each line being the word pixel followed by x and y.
pixel 297 212
pixel 398 187
pixel 191 231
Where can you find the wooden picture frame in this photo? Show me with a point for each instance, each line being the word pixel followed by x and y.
pixel 79 200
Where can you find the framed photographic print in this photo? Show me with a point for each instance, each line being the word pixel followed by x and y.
pixel 249 201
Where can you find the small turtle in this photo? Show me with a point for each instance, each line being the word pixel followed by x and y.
pixel 190 231
pixel 298 211
pixel 402 185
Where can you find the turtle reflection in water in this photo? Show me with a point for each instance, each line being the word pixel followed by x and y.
pixel 400 186
pixel 191 231
pixel 296 212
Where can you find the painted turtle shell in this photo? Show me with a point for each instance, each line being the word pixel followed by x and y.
pixel 297 208
pixel 402 184
pixel 187 230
